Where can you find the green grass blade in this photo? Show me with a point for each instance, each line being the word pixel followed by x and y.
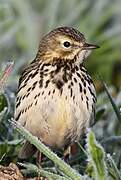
pixel 116 109
pixel 96 156
pixel 49 175
pixel 113 170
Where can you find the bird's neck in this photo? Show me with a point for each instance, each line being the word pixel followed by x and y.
pixel 54 59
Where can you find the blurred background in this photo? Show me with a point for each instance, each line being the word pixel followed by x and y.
pixel 23 22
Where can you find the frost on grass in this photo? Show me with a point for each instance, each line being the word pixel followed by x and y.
pixel 96 157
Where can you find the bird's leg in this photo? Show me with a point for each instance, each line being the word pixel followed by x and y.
pixel 66 153
pixel 71 150
pixel 39 158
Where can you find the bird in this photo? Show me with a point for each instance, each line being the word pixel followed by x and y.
pixel 56 96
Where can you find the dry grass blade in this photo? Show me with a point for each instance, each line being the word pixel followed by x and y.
pixel 5 75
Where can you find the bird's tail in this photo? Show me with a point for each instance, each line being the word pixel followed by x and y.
pixel 27 150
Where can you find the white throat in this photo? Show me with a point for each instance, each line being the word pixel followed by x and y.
pixel 83 55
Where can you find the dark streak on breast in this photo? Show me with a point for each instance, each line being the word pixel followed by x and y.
pixel 59 84
pixel 18 116
pixel 92 93
pixel 71 92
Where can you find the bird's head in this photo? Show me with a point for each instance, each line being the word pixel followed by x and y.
pixel 64 43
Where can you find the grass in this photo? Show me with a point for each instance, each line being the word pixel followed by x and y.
pixel 99 20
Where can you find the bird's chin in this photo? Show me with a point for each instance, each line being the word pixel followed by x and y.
pixel 84 54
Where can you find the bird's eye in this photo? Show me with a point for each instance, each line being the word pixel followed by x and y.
pixel 66 44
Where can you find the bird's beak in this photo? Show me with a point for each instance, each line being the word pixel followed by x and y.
pixel 88 46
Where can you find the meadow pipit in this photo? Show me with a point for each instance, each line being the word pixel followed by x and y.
pixel 56 96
